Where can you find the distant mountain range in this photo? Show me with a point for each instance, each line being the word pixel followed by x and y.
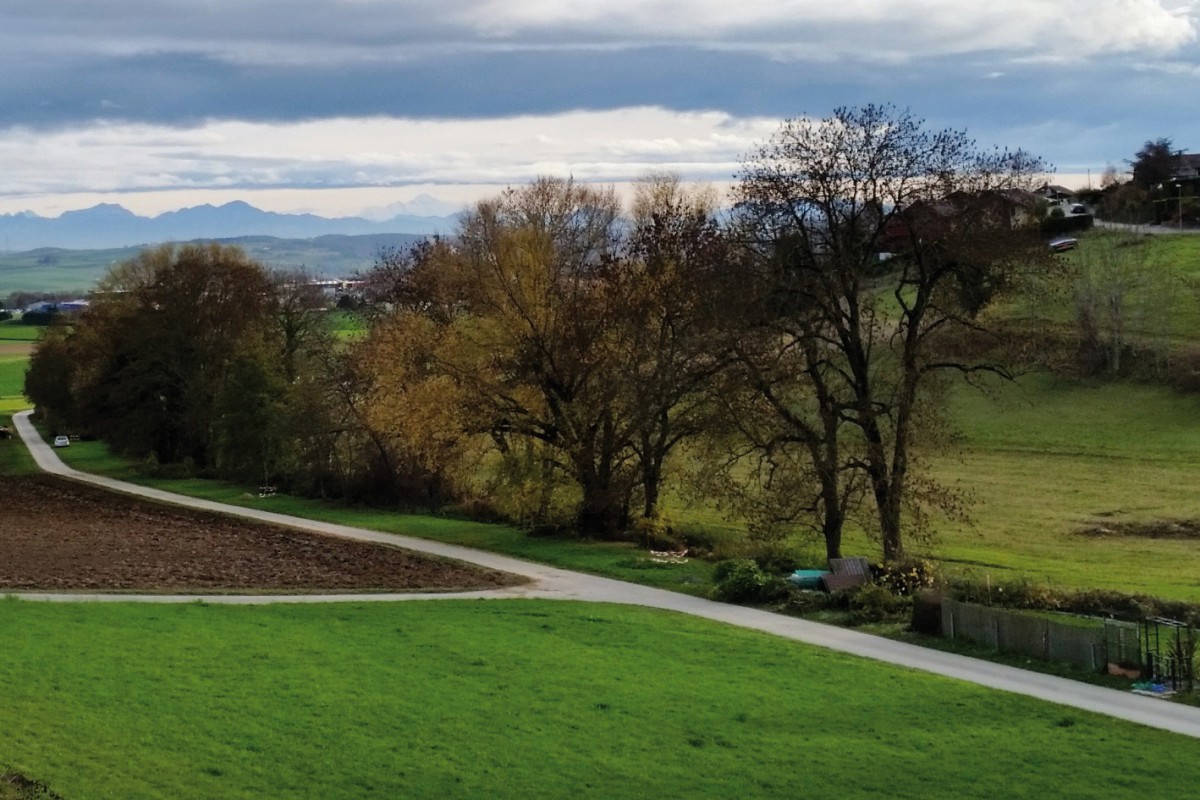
pixel 75 271
pixel 113 226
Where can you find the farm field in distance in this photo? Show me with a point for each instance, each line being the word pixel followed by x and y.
pixel 16 343
pixel 54 269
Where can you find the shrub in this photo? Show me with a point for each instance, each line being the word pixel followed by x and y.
pixel 170 471
pixel 39 317
pixel 873 602
pixel 777 559
pixel 1183 371
pixel 741 580
pixel 1057 226
pixel 1020 593
pixel 656 533
pixel 806 601
pixel 1093 602
pixel 905 578
pixel 18 787
pixel 477 508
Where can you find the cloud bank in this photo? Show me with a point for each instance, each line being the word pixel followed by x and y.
pixel 155 95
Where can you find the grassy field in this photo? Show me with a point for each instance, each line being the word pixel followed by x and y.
pixel 1046 458
pixel 16 342
pixel 536 699
pixel 14 456
pixel 53 269
pixel 521 699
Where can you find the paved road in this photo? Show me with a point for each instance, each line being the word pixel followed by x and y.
pixel 1153 230
pixel 549 582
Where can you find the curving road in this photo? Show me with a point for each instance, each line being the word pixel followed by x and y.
pixel 553 583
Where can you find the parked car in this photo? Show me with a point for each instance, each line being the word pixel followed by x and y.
pixel 1063 245
pixel 62 441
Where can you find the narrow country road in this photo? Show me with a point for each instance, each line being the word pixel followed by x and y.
pixel 553 583
pixel 1149 230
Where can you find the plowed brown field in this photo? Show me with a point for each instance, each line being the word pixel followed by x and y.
pixel 58 535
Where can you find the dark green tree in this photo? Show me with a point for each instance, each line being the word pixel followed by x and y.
pixel 1154 164
pixel 154 351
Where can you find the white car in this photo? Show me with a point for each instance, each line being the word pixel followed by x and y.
pixel 62 441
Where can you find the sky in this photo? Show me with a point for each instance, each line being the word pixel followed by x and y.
pixel 370 107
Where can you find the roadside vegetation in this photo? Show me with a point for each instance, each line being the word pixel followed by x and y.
pixel 1151 193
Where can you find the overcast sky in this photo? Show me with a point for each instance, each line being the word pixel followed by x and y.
pixel 346 106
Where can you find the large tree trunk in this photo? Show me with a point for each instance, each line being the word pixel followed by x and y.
pixel 651 480
pixel 883 490
pixel 889 524
pixel 890 486
pixel 602 515
pixel 831 529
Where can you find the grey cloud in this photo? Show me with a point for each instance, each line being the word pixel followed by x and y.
pixel 341 31
pixel 184 89
pixel 69 63
pixel 180 61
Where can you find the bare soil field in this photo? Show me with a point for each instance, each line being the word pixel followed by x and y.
pixel 57 535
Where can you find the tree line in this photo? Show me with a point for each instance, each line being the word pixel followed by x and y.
pixel 1155 190
pixel 566 363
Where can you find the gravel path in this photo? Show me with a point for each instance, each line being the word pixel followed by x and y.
pixel 552 583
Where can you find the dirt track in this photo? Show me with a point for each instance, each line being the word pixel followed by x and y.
pixel 58 535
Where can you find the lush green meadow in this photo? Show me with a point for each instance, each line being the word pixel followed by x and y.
pixel 520 699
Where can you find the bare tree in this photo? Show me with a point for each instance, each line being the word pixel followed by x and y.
pixel 1123 300
pixel 669 287
pixel 876 243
